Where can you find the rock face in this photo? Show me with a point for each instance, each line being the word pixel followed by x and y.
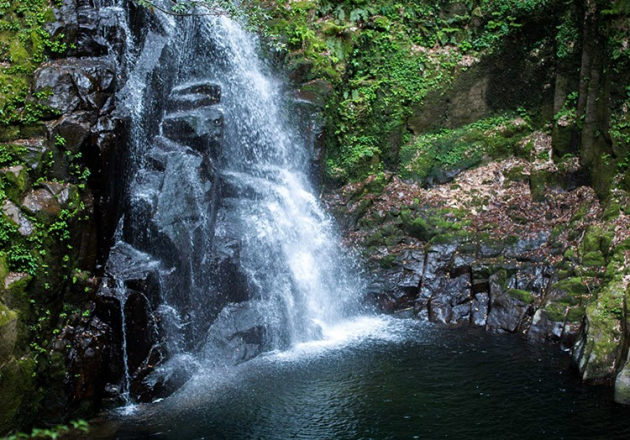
pixel 170 285
pixel 487 251
pixel 58 214
pixel 455 283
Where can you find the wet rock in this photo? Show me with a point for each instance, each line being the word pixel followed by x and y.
pixel 230 280
pixel 89 40
pixel 193 96
pixel 74 129
pixel 209 89
pixel 440 310
pixel 31 151
pixel 622 385
pixel 479 309
pixel 75 84
pixel 163 380
pixel 490 248
pixel 449 300
pixel 42 204
pixel 237 335
pixel 544 328
pixel 522 246
pixel 437 263
pixel 25 227
pixel 200 129
pixel 508 305
pixel 132 288
pixel 133 268
pixel 86 360
pixel 66 25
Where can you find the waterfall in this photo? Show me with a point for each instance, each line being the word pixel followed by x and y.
pixel 224 242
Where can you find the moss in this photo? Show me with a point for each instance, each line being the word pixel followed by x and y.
pixel 4 268
pixel 6 316
pixel 593 259
pixel 387 261
pixel 555 312
pixel 522 295
pixel 15 295
pixel 559 311
pixel 572 286
pixel 516 174
pixel 17 182
pixel 612 211
pixel 331 29
pixel 576 314
pixel 374 239
pixel 17 392
pixel 8 331
pixel 596 239
pixel 448 238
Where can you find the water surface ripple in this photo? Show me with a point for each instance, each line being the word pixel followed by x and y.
pixel 382 378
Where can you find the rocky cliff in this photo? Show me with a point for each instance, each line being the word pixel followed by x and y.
pixel 60 139
pixel 476 153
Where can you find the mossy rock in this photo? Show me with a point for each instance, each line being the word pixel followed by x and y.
pixel 555 312
pixel 4 268
pixel 572 286
pixel 622 385
pixel 316 92
pixel 603 336
pixel 451 237
pixel 541 181
pixel 374 239
pixel 8 331
pixel 387 262
pixel 331 29
pixel 17 392
pixel 592 259
pixel 17 182
pixel 9 133
pixel 522 295
pixel 595 240
pixel 14 294
pixel 576 314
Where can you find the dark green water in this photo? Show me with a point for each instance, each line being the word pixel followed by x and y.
pixel 396 380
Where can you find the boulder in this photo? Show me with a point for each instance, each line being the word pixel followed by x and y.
pixel 201 129
pixel 25 227
pixel 8 331
pixel 194 96
pixel 75 84
pixel 508 306
pixel 74 129
pixel 237 335
pixel 42 204
pixel 622 385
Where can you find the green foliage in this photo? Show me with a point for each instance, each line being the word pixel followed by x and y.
pixel 567 37
pixel 24 44
pixel 384 58
pixel 22 260
pixel 567 115
pixel 435 155
pixel 75 427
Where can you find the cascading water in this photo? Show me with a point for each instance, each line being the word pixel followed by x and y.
pixel 289 249
pixel 243 258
